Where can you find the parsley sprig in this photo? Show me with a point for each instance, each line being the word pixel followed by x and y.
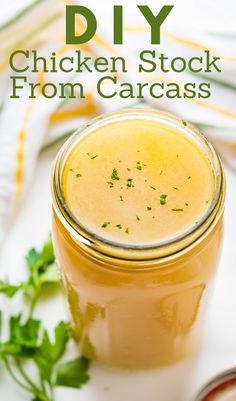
pixel 28 343
pixel 42 270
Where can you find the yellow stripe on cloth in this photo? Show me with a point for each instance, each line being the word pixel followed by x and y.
pixel 197 45
pixel 20 153
pixel 215 108
pixel 90 108
pixel 183 41
pixel 4 65
pixel 210 106
pixel 64 49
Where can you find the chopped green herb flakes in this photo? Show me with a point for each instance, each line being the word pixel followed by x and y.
pixel 139 166
pixel 114 175
pixel 163 199
pixel 105 224
pixel 130 183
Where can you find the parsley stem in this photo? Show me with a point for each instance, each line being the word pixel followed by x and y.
pixel 52 392
pixel 25 376
pixel 42 383
pixel 13 376
pixel 33 304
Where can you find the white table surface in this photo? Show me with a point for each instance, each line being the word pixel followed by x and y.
pixel 175 383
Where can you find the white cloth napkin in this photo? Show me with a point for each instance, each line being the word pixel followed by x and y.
pixel 27 124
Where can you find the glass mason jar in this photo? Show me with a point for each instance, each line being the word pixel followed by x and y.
pixel 137 307
pixel 220 388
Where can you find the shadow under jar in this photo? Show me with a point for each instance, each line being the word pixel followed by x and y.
pixel 138 199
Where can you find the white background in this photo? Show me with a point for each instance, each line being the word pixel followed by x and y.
pixel 218 352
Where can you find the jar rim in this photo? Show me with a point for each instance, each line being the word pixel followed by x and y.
pixel 215 384
pixel 114 249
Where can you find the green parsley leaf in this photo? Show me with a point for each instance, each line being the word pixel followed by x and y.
pixel 40 260
pixel 50 275
pixel 42 270
pixel 73 373
pixel 7 349
pixel 38 264
pixel 23 338
pixel 8 289
pixel 78 175
pixel 32 258
pixel 184 123
pixel 53 351
pixel 25 334
pixel 0 323
pixel 50 352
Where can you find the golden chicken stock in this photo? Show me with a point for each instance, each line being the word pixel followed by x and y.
pixel 138 199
